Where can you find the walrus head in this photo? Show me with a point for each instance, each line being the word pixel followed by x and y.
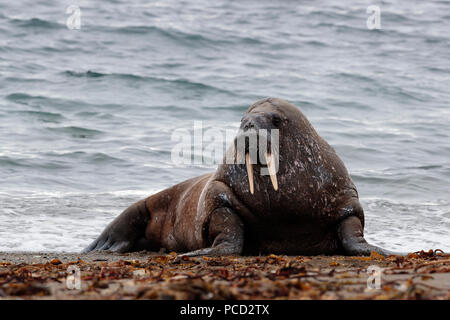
pixel 278 161
pixel 257 143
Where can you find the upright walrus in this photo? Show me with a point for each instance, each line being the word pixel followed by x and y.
pixel 308 206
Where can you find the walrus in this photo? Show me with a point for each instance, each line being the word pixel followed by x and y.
pixel 308 206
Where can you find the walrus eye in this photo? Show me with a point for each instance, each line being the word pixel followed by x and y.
pixel 276 120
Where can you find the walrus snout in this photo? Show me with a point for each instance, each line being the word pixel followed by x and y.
pixel 256 132
pixel 254 146
pixel 256 142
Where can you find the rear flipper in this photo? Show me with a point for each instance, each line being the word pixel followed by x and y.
pixel 124 232
pixel 352 238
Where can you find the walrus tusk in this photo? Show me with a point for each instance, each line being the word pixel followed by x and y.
pixel 248 162
pixel 270 160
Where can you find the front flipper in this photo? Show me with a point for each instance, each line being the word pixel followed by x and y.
pixel 352 238
pixel 225 232
pixel 123 233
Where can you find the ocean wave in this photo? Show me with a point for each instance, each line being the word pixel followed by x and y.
pixel 179 82
pixel 77 132
pixel 234 108
pixel 21 79
pixel 57 102
pixel 407 225
pixel 89 157
pixel 32 163
pixel 353 76
pixel 84 74
pixel 37 100
pixel 36 23
pixel 177 36
pixel 41 115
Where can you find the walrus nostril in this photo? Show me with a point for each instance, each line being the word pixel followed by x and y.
pixel 248 125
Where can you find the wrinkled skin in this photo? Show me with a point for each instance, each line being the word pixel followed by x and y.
pixel 314 211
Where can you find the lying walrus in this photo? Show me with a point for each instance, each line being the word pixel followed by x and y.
pixel 309 206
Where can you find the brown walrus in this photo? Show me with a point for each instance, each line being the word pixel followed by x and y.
pixel 309 206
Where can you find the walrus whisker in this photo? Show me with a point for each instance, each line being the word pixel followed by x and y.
pixel 270 160
pixel 248 162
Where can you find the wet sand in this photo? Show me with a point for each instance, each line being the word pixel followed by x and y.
pixel 145 275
